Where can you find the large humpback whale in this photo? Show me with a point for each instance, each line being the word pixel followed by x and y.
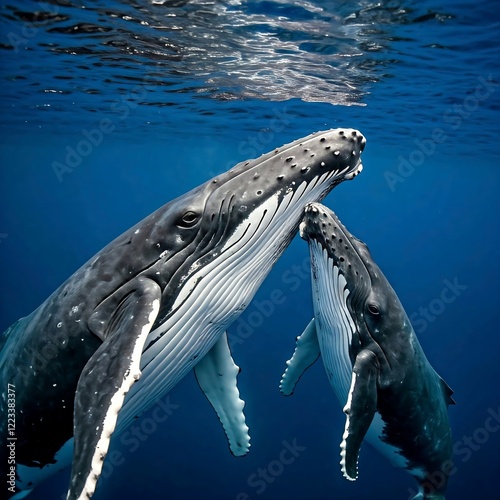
pixel 372 358
pixel 152 305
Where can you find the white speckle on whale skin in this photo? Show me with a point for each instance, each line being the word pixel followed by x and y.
pixel 137 231
pixel 74 310
pixel 59 325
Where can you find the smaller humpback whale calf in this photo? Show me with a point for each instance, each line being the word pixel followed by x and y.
pixel 154 304
pixel 372 358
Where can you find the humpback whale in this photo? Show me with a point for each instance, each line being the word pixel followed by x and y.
pixel 388 389
pixel 155 303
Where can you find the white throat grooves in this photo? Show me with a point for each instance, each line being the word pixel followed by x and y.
pixel 216 294
pixel 335 325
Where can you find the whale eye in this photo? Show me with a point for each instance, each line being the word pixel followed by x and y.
pixel 373 309
pixel 189 219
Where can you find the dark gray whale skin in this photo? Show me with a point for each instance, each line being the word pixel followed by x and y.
pixel 361 328
pixel 75 357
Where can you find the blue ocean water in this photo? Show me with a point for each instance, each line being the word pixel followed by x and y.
pixel 111 109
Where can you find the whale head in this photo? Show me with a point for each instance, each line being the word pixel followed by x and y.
pixel 253 210
pixel 222 239
pixel 361 299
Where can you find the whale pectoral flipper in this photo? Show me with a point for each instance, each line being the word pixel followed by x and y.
pixel 216 374
pixel 306 353
pixel 448 392
pixel 360 410
pixel 106 379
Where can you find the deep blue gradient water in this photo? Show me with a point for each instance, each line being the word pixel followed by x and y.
pixel 111 109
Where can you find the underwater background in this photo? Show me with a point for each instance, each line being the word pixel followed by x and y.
pixel 110 109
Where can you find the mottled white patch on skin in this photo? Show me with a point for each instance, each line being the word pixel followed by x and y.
pixel 343 445
pixel 306 353
pixel 131 376
pixel 217 376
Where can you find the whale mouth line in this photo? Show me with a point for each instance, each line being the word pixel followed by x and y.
pixel 327 179
pixel 355 171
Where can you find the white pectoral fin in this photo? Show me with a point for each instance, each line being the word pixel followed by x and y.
pixel 306 353
pixel 360 409
pixel 106 379
pixel 216 373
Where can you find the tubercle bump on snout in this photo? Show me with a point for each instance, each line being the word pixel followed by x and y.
pixel 314 222
pixel 339 142
pixel 350 136
pixel 336 150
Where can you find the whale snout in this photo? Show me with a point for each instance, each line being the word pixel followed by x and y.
pixel 330 239
pixel 321 224
pixel 358 141
pixel 316 223
pixel 354 136
pixel 336 150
